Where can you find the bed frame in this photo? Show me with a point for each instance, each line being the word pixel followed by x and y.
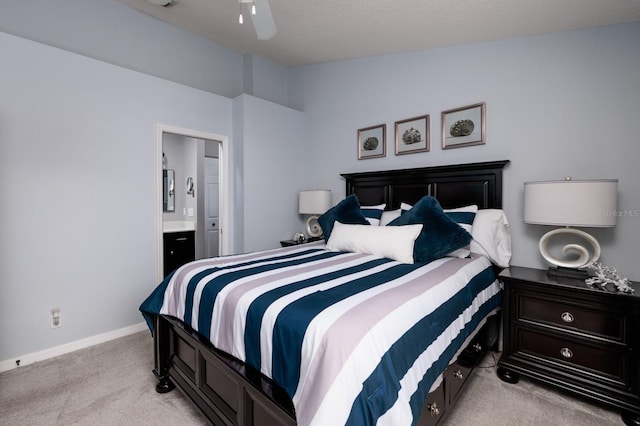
pixel 228 392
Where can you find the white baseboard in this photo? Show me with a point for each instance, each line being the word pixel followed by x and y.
pixel 70 347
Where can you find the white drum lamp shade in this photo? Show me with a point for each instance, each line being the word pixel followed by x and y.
pixel 571 203
pixel 314 202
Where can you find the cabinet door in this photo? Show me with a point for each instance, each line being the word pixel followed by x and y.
pixel 582 341
pixel 179 248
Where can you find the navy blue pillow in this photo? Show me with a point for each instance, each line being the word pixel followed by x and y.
pixel 439 236
pixel 346 211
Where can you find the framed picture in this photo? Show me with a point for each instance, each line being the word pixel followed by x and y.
pixel 463 126
pixel 372 142
pixel 412 135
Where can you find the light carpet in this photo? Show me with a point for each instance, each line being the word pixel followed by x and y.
pixel 112 384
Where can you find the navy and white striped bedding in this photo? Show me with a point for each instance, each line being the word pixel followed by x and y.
pixel 353 338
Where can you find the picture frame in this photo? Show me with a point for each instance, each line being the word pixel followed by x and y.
pixel 413 135
pixel 464 126
pixel 372 142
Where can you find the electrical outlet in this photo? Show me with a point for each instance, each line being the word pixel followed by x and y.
pixel 55 319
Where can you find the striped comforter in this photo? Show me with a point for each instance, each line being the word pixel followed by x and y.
pixel 353 338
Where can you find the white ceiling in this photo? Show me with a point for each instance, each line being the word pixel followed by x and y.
pixel 313 31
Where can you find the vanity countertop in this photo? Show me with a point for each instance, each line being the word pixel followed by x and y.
pixel 178 226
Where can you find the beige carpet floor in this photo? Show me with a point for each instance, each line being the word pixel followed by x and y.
pixel 488 401
pixel 112 384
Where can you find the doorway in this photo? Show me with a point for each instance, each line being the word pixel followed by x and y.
pixel 198 147
pixel 212 206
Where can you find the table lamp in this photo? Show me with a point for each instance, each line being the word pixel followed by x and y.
pixel 571 203
pixel 314 202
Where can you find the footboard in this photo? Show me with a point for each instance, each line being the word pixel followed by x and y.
pixel 226 391
pixel 229 392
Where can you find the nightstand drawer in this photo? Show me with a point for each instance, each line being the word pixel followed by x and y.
pixel 592 319
pixel 600 360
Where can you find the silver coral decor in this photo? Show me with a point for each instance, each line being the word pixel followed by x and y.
pixel 607 275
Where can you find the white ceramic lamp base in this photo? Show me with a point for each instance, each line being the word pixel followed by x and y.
pixel 585 256
pixel 313 227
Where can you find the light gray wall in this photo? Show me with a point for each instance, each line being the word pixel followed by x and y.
pixel 172 147
pixel 274 149
pixel 190 167
pixel 78 165
pixel 265 79
pixel 557 105
pixel 78 156
pixel 116 33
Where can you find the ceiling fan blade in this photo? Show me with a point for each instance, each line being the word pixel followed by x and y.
pixel 263 20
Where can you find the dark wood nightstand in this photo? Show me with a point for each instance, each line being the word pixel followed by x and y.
pixel 287 243
pixel 566 333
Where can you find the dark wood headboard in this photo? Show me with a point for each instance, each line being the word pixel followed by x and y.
pixel 453 186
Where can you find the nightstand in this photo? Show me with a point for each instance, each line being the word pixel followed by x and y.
pixel 568 334
pixel 287 243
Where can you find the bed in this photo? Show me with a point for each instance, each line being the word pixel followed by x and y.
pixel 329 336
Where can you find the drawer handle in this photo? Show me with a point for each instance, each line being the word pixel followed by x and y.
pixel 567 317
pixel 566 352
pixel 181 239
pixel 458 375
pixel 433 409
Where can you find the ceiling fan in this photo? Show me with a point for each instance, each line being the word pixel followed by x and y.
pixel 261 16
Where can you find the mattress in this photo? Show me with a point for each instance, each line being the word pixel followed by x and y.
pixel 352 338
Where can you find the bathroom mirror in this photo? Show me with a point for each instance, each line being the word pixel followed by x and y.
pixel 168 190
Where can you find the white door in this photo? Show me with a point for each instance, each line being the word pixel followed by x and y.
pixel 212 206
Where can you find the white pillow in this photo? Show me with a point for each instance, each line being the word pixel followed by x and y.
pixel 388 216
pixel 373 213
pixel 492 236
pixel 392 242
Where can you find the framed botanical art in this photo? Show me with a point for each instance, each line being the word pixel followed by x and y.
pixel 372 142
pixel 412 135
pixel 463 126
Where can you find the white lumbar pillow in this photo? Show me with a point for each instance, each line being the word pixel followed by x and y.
pixel 392 242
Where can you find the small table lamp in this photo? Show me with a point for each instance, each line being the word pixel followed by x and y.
pixel 314 202
pixel 582 203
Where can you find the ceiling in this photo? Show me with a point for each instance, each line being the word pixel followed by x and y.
pixel 314 31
